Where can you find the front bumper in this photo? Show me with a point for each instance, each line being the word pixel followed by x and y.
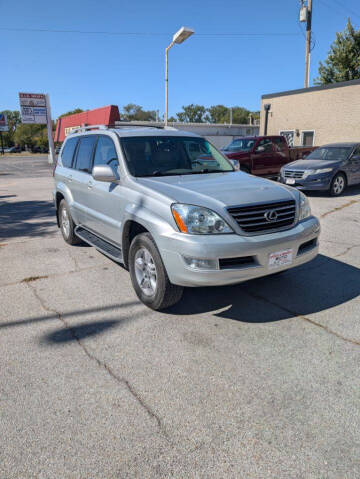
pixel 313 182
pixel 174 246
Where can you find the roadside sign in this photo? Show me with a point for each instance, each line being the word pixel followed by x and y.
pixel 3 122
pixel 33 108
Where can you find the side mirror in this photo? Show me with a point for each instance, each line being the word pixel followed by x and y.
pixel 104 173
pixel 355 157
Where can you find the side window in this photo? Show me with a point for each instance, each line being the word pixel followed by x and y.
pixel 68 152
pixel 266 144
pixel 84 154
pixel 279 143
pixel 105 152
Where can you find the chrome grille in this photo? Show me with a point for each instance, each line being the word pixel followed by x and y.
pixel 294 174
pixel 252 218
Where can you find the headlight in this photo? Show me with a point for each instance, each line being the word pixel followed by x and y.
pixel 198 220
pixel 305 209
pixel 317 172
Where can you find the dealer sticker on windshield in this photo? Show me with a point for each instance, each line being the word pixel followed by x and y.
pixel 281 258
pixel 290 181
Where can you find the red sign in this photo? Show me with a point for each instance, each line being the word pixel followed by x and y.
pixel 106 115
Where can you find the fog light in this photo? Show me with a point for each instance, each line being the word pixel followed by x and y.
pixel 196 263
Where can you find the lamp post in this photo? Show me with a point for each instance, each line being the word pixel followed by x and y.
pixel 179 37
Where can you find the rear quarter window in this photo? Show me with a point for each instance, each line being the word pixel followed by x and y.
pixel 67 154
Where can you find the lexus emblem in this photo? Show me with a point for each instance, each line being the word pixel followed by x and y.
pixel 270 215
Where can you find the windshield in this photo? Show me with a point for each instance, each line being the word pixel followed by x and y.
pixel 172 155
pixel 330 153
pixel 240 145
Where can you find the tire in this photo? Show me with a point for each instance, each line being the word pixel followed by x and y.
pixel 338 184
pixel 146 267
pixel 67 225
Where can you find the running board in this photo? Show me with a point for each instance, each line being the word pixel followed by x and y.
pixel 103 246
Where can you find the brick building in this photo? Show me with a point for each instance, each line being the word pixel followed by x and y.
pixel 313 116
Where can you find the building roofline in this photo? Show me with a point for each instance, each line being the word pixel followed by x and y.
pixel 313 88
pixel 176 123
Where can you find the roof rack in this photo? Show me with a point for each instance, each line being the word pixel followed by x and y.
pixel 88 127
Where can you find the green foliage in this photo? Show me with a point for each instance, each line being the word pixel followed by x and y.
pixel 192 114
pixel 133 112
pixel 71 112
pixel 14 120
pixel 219 114
pixel 214 114
pixel 31 135
pixel 343 61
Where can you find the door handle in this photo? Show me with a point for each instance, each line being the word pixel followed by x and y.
pixel 90 184
pixel 69 178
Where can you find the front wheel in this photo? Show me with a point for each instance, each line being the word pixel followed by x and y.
pixel 67 225
pixel 338 184
pixel 148 275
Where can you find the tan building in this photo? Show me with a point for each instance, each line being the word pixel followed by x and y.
pixel 313 116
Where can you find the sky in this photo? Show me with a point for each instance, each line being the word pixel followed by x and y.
pixel 237 53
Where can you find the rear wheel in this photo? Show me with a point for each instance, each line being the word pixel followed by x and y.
pixel 67 225
pixel 148 274
pixel 338 184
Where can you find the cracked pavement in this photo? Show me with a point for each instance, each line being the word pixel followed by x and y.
pixel 257 380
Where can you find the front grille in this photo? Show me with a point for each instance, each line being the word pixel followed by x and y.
pixel 252 219
pixel 232 263
pixel 298 174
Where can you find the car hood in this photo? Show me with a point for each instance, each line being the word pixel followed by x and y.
pixel 312 164
pixel 219 189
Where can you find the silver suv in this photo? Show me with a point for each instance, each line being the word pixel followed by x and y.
pixel 173 210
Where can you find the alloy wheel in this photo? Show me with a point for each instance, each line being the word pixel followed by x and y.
pixel 145 272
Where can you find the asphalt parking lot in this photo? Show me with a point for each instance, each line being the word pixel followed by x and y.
pixel 258 380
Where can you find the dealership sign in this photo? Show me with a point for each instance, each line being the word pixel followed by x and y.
pixel 3 122
pixel 33 108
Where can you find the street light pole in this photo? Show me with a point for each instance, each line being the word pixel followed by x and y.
pixel 179 37
pixel 167 81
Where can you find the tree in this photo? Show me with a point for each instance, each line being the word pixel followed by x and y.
pixel 133 112
pixel 14 120
pixel 240 115
pixel 192 114
pixel 30 135
pixel 219 114
pixel 71 112
pixel 343 61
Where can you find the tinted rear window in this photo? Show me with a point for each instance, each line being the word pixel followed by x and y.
pixel 68 152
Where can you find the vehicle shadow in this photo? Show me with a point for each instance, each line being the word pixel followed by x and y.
pixel 26 218
pixel 319 285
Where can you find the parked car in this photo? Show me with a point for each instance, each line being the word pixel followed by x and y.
pixel 263 155
pixel 331 168
pixel 12 149
pixel 141 199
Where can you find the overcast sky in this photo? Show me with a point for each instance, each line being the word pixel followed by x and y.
pixel 91 70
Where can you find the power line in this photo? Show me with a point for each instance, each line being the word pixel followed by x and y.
pixel 347 9
pixel 46 30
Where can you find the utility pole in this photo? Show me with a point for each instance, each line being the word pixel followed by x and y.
pixel 308 43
